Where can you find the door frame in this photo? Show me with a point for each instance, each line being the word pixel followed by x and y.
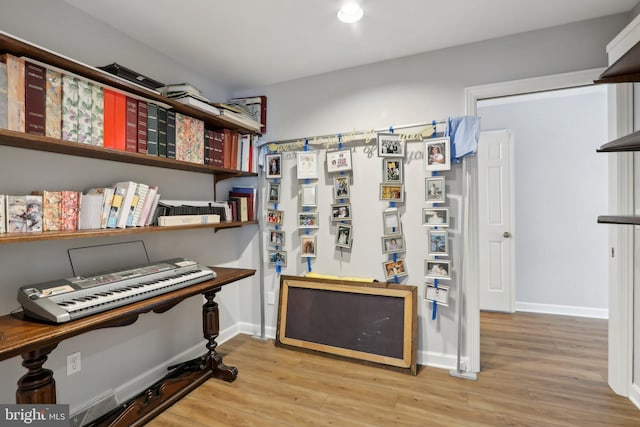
pixel 472 95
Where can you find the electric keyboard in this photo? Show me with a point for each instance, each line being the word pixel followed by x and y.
pixel 64 300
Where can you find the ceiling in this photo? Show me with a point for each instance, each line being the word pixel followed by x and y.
pixel 251 43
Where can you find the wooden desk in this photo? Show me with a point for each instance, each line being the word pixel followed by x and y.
pixel 34 340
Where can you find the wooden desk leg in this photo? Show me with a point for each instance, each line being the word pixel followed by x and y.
pixel 211 330
pixel 37 385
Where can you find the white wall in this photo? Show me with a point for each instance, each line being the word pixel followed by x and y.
pixel 560 189
pixel 409 90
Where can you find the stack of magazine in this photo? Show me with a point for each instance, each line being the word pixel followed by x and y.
pixel 188 94
pixel 185 212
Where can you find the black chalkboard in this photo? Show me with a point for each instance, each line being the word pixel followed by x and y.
pixel 365 321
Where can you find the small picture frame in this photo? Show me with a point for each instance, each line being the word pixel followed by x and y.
pixel 276 257
pixel 439 294
pixel 392 192
pixel 308 195
pixel 435 217
pixel 308 246
pixel 392 244
pixel 273 192
pixel 343 235
pixel 437 268
pixel 274 166
pixel 434 190
pixel 437 155
pixel 341 188
pixel 391 221
pixel 307 162
pixel 341 212
pixel 394 268
pixel 390 145
pixel 307 219
pixel 339 161
pixel 392 170
pixel 438 243
pixel 275 217
pixel 276 237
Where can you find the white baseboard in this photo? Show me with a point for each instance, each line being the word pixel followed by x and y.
pixel 634 395
pixel 564 310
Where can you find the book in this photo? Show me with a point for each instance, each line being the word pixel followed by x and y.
pixel 162 132
pixel 33 214
pixel 97 115
pixel 128 193
pixel 207 147
pixel 116 205
pixel 257 105
pixel 51 210
pixel 34 98
pixel 199 104
pixel 142 191
pixel 234 150
pixel 171 134
pixel 227 148
pixel 165 221
pixel 245 150
pixel 69 108
pixel 217 148
pixel 107 197
pixel 3 98
pixel 189 139
pixel 240 120
pixel 152 212
pixel 90 211
pixel 142 127
pixel 53 104
pixel 152 129
pixel 15 91
pixel 69 206
pixel 166 90
pixel 3 213
pixel 109 118
pixel 146 207
pixel 131 128
pixel 120 122
pixel 85 102
pixel 250 202
pixel 252 192
pixel 16 214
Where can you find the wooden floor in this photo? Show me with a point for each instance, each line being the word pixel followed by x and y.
pixel 537 370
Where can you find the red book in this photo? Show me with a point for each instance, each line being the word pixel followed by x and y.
pixel 120 123
pixel 142 127
pixel 227 148
pixel 217 149
pixel 131 129
pixel 234 150
pixel 249 197
pixel 207 147
pixel 109 121
pixel 34 98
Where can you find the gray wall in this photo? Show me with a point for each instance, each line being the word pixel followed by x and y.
pixel 560 188
pixel 413 89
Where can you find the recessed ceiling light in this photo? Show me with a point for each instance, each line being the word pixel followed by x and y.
pixel 350 13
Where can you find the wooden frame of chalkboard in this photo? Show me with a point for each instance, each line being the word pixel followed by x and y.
pixel 369 322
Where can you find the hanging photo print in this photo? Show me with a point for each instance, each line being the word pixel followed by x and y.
pixel 277 256
pixel 435 217
pixel 343 236
pixel 392 192
pixel 274 217
pixel 308 246
pixel 307 164
pixel 341 187
pixel 394 268
pixel 308 195
pixel 276 238
pixel 341 212
pixel 437 268
pixel 339 161
pixel 308 220
pixel 391 221
pixel 392 170
pixel 274 192
pixel 438 294
pixel 392 244
pixel 438 243
pixel 437 156
pixel 390 145
pixel 434 189
pixel 274 165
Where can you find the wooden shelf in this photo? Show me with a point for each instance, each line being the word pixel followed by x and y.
pixel 625 70
pixel 79 234
pixel 21 48
pixel 43 143
pixel 619 219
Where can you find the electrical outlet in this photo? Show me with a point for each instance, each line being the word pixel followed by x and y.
pixel 74 363
pixel 271 298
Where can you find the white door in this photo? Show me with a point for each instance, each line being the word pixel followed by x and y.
pixel 496 221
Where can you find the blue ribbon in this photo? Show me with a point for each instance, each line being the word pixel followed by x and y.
pixel 309 264
pixel 306 144
pixel 390 129
pixel 395 276
pixel 434 314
